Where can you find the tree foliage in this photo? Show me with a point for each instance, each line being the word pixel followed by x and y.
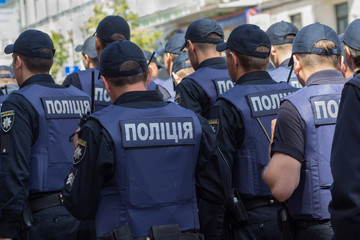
pixel 142 37
pixel 62 53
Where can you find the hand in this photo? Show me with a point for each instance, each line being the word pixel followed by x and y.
pixel 273 123
pixel 5 238
pixel 75 140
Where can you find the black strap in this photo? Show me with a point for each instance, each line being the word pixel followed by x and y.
pixel 46 202
pixel 252 203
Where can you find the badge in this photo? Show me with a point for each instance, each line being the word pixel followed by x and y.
pixel 7 120
pixel 70 179
pixel 214 124
pixel 79 151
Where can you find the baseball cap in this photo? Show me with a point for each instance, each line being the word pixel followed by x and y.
pixel 309 35
pixel 88 47
pixel 111 25
pixel 30 43
pixel 351 35
pixel 179 62
pixel 148 55
pixel 245 39
pixel 278 32
pixel 119 52
pixel 199 30
pixel 175 43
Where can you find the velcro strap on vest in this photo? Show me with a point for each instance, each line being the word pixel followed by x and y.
pixel 46 202
pixel 251 203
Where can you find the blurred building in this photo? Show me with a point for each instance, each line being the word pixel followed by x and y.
pixel 169 16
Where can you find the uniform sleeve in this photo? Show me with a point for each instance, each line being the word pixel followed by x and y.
pixel 345 165
pixel 230 130
pixel 18 133
pixel 213 181
pixel 72 79
pixel 93 165
pixel 289 135
pixel 191 96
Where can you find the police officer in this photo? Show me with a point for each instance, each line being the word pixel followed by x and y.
pixel 199 90
pixel 344 207
pixel 181 68
pixel 281 36
pixel 137 162
pixel 36 122
pixel 155 65
pixel 8 82
pixel 299 169
pixel 241 118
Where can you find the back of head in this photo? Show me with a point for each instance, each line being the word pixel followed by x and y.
pixel 35 48
pixel 318 46
pixel 351 39
pixel 123 63
pixel 251 45
pixel 205 33
pixel 111 29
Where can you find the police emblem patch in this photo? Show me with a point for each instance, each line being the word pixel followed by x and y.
pixel 177 99
pixel 79 151
pixel 70 179
pixel 7 120
pixel 214 124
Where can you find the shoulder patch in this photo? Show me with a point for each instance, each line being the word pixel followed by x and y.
pixel 70 179
pixel 79 151
pixel 7 120
pixel 214 124
pixel 177 99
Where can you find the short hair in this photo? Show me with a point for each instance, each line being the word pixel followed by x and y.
pixel 310 60
pixel 126 66
pixel 94 61
pixel 208 46
pixel 115 37
pixel 37 65
pixel 355 55
pixel 250 63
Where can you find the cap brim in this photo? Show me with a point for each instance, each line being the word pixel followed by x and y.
pixel 79 48
pixel 9 49
pixel 221 47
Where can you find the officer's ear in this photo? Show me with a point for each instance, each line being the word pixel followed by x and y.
pixel 148 78
pixel 190 46
pixel 348 57
pixel 297 63
pixel 17 61
pixel 106 84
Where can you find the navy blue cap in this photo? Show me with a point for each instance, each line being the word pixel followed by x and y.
pixel 352 36
pixel 278 32
pixel 6 68
pixel 199 30
pixel 119 52
pixel 341 38
pixel 245 39
pixel 175 43
pixel 30 43
pixel 309 35
pixel 148 55
pixel 88 47
pixel 111 25
pixel 179 62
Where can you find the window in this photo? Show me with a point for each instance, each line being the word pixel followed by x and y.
pixel 342 12
pixel 296 20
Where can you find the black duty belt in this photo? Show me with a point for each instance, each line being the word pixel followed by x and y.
pixel 184 236
pixel 251 203
pixel 310 222
pixel 49 201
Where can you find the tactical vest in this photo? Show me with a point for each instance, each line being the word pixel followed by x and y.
pixel 258 105
pixel 102 98
pixel 281 74
pixel 318 106
pixel 213 81
pixel 59 111
pixel 156 152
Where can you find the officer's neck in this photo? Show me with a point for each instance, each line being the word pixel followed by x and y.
pixel 116 92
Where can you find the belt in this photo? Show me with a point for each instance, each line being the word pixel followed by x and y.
pixel 49 201
pixel 310 222
pixel 184 236
pixel 251 203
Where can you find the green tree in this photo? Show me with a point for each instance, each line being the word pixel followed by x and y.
pixel 62 53
pixel 142 37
